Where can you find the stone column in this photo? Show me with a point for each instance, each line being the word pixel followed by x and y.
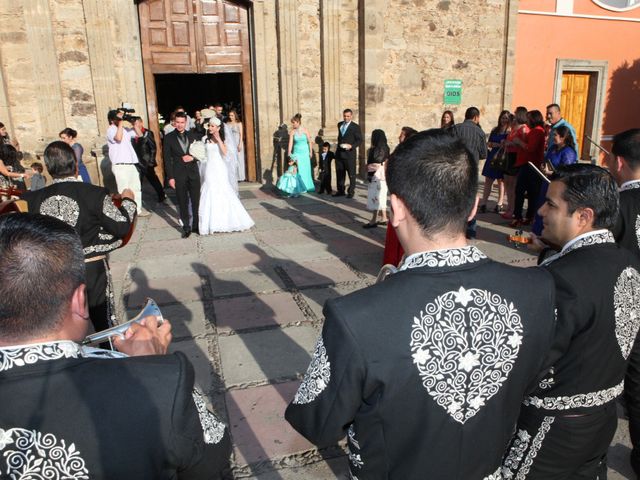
pixel 330 48
pixel 99 39
pixel 509 65
pixel 287 25
pixel 37 17
pixel 5 113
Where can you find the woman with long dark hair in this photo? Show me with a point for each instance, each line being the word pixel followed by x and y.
pixel 68 136
pixel 377 191
pixel 496 141
pixel 446 121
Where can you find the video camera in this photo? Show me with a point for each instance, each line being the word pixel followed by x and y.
pixel 126 110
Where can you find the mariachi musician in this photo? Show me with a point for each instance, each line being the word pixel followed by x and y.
pixel 101 224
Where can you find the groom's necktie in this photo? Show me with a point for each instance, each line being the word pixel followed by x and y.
pixel 184 143
pixel 343 128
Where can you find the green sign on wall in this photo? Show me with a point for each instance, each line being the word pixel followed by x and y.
pixel 452 92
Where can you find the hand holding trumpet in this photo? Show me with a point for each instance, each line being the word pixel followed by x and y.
pixel 146 337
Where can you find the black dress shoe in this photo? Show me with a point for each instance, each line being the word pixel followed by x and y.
pixel 349 195
pixel 196 231
pixel 338 194
pixel 186 232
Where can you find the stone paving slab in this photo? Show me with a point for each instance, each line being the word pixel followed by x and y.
pixel 166 266
pixel 185 288
pixel 241 257
pixel 258 428
pixel 253 311
pixel 226 241
pixel 256 279
pixel 321 272
pixel 197 351
pixel 266 355
pixel 335 468
pixel 169 248
pixel 315 297
pixel 187 319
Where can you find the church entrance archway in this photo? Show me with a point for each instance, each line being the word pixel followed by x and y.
pixel 188 43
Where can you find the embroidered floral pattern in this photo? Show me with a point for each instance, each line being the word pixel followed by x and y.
pixel 581 400
pixel 105 236
pixel 356 460
pixel 317 377
pixel 497 475
pixel 29 354
pixel 212 428
pixel 464 345
pixel 30 454
pixel 61 207
pixel 627 311
pixel 452 257
pixel 548 380
pixel 592 239
pixel 638 230
pixel 631 185
pixel 518 448
pixel 353 448
pixel 130 207
pixel 102 248
pixel 516 470
pixel 111 211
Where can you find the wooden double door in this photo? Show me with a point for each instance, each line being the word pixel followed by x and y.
pixel 202 37
pixel 577 101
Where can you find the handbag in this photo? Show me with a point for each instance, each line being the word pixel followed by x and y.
pixel 500 160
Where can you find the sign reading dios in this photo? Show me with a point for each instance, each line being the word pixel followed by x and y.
pixel 452 92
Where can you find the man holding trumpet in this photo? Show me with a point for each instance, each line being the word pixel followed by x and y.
pixel 78 412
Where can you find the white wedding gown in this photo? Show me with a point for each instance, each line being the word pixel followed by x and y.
pixel 220 208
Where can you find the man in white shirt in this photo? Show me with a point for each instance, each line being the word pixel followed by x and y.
pixel 123 157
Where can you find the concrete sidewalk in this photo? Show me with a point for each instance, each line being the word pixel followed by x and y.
pixel 246 308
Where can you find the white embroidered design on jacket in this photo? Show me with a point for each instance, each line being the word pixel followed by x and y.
pixel 30 454
pixel 317 377
pixel 627 312
pixel 212 428
pixel 61 207
pixel 464 345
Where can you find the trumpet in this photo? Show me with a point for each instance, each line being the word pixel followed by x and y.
pixel 150 309
pixel 386 271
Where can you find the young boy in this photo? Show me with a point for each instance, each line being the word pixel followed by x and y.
pixel 37 179
pixel 324 175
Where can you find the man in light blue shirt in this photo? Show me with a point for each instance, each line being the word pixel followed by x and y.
pixel 554 117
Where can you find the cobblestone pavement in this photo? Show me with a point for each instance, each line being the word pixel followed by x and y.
pixel 246 308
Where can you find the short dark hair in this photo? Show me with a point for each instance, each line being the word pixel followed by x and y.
pixel 112 116
pixel 535 118
pixel 37 166
pixel 8 154
pixel 553 105
pixel 409 132
pixel 217 104
pixel 347 110
pixel 180 115
pixel 60 160
pixel 327 144
pixel 471 113
pixel 627 144
pixel 434 174
pixel 69 132
pixel 590 186
pixel 41 264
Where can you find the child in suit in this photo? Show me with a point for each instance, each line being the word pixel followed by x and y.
pixel 37 179
pixel 324 174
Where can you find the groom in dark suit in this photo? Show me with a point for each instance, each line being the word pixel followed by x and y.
pixel 182 172
pixel 349 138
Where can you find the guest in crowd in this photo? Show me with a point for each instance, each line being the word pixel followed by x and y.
pixel 393 251
pixel 349 140
pixel 324 169
pixel 144 144
pixel 70 411
pixel 529 181
pixel 5 139
pixel 12 173
pixel 68 136
pixel 301 148
pixel 447 121
pixel 515 157
pixel 38 181
pixel 234 135
pixel 496 142
pixel 377 191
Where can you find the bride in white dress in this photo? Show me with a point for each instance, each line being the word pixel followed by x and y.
pixel 220 208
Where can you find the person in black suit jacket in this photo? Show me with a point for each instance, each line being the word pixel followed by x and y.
pixel 79 412
pixel 182 172
pixel 349 139
pixel 325 168
pixel 144 144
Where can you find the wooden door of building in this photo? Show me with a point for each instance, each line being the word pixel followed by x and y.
pixel 203 37
pixel 574 101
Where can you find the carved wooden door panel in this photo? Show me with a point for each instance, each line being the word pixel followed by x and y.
pixel 222 45
pixel 168 36
pixel 573 102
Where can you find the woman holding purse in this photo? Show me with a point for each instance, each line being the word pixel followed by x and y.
pixel 496 142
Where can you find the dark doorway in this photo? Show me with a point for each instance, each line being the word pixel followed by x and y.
pixel 195 91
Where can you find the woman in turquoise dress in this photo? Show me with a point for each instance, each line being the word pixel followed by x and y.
pixel 300 149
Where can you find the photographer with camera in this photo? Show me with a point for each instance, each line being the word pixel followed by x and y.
pixel 122 155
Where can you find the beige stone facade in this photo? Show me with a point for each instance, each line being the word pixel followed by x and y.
pixel 65 62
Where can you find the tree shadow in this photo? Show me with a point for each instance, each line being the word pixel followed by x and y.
pixel 623 99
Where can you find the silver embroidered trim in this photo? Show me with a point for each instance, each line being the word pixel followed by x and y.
pixel 626 293
pixel 105 236
pixel 212 427
pixel 516 453
pixel 67 179
pixel 61 207
pixel 545 426
pixel 353 447
pixel 130 207
pixel 548 381
pixel 631 185
pixel 452 257
pixel 317 376
pixel 638 231
pixel 464 345
pixel 30 454
pixel 581 400
pixel 22 355
pixel 102 248
pixel 594 239
pixel 497 475
pixel 111 211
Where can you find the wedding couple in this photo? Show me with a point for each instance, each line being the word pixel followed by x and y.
pixel 215 206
